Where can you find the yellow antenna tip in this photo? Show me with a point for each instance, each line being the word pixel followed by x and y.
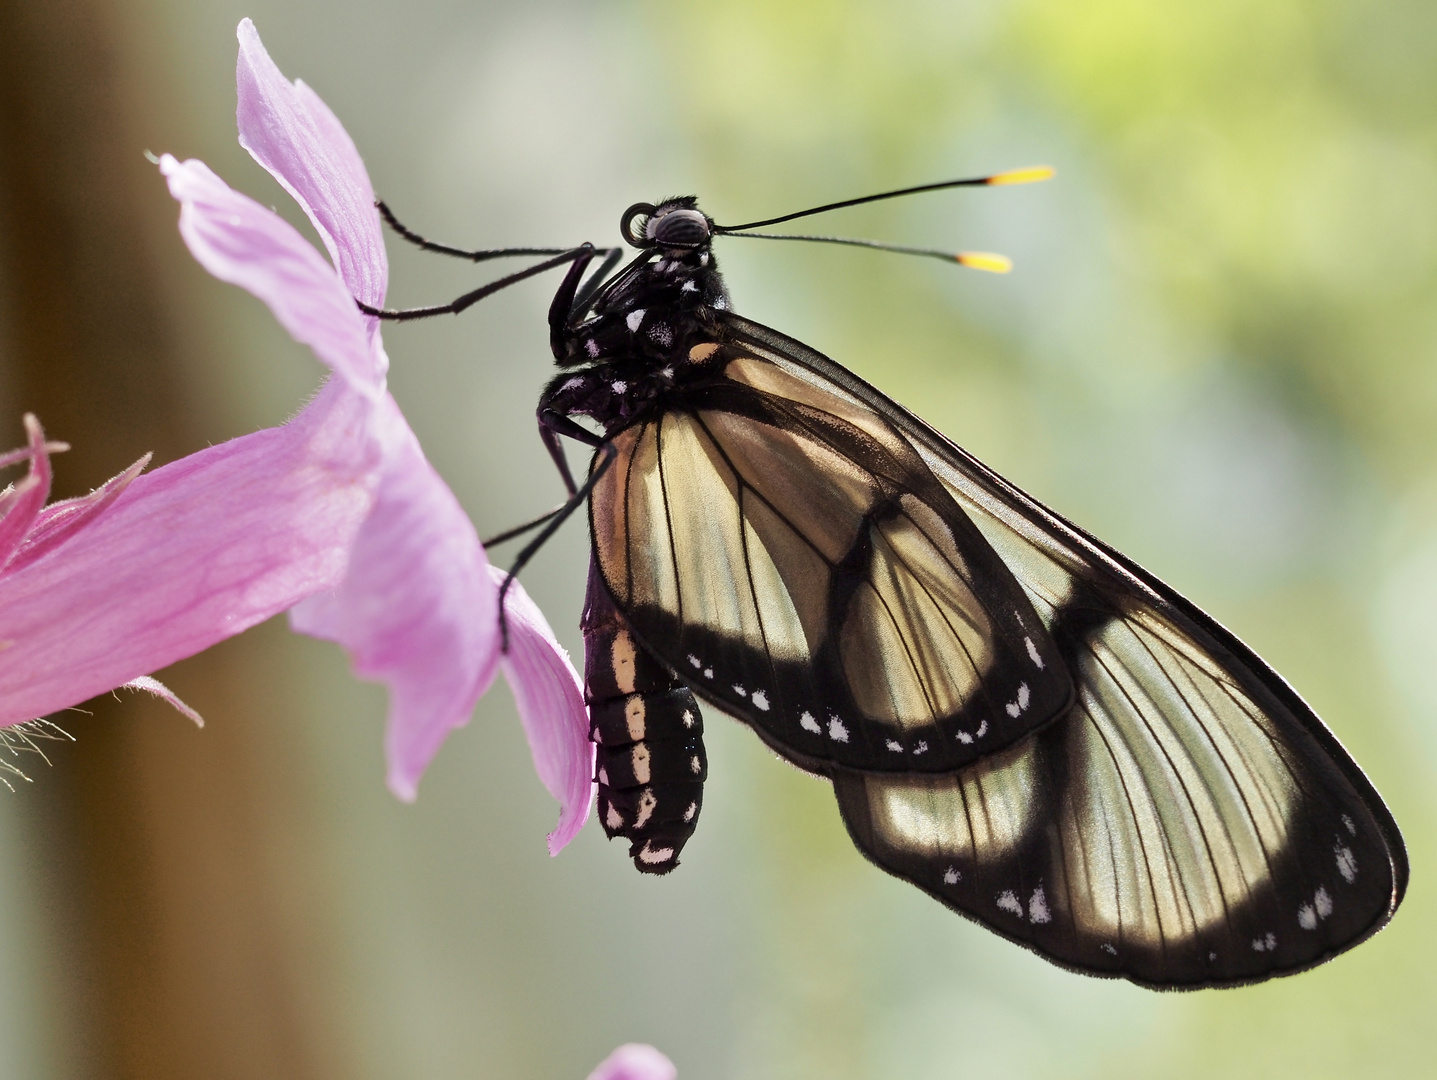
pixel 1030 175
pixel 984 260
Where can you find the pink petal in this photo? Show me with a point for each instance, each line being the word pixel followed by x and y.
pixel 293 134
pixel 550 697
pixel 24 502
pixel 239 241
pixel 635 1061
pixel 60 521
pixel 188 555
pixel 417 610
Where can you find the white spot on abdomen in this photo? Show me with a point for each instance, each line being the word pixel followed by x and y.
pixel 619 386
pixel 648 803
pixel 653 856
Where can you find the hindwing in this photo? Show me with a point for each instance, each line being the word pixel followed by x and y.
pixel 1189 822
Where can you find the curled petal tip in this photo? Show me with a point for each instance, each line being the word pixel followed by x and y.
pixel 635 1061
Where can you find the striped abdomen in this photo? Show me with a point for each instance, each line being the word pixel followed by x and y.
pixel 650 763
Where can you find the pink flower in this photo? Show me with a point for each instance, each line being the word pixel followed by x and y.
pixel 635 1061
pixel 336 514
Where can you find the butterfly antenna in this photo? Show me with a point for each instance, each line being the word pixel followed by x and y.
pixel 977 260
pixel 1029 175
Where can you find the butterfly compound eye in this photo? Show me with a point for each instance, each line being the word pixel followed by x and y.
pixel 679 229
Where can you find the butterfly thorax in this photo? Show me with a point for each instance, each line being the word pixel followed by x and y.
pixel 652 331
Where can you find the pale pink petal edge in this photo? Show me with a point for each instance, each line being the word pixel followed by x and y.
pixel 550 698
pixel 635 1061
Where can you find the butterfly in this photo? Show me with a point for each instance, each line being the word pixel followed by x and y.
pixel 1015 717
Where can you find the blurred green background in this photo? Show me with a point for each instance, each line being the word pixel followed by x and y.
pixel 1218 351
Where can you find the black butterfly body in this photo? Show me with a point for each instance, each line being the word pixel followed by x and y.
pixel 1015 717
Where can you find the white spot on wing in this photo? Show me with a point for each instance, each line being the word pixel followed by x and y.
pixel 708 673
pixel 836 731
pixel 1016 708
pixel 965 738
pixel 695 765
pixel 982 730
pixel 808 723
pixel 894 745
pixel 688 286
pixel 921 748
pixel 591 347
pixel 1351 828
pixel 1266 943
pixel 1323 902
pixel 578 380
pixel 1033 653
pixel 1038 907
pixel 951 876
pixel 739 690
pixel 695 661
pixel 619 386
pixel 613 819
pixel 688 718
pixel 1306 917
pixel 1008 901
pixel 690 812
pixel 1110 950
pixel 633 320
pixel 1346 863
pixel 760 700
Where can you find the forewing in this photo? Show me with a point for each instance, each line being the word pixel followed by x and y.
pixel 1190 822
pixel 796 561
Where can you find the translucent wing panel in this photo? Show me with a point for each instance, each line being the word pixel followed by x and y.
pixel 1159 832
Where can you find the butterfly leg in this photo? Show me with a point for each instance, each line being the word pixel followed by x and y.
pixel 551 426
pixel 650 762
pixel 583 252
pixel 476 256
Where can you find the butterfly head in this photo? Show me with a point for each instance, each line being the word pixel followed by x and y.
pixel 674 226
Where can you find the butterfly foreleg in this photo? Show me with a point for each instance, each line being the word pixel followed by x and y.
pixel 551 426
pixel 473 255
pixel 583 252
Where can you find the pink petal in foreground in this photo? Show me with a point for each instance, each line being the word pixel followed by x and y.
pixel 635 1061
pixel 417 610
pixel 550 697
pixel 293 134
pixel 22 503
pixel 186 556
pixel 239 241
